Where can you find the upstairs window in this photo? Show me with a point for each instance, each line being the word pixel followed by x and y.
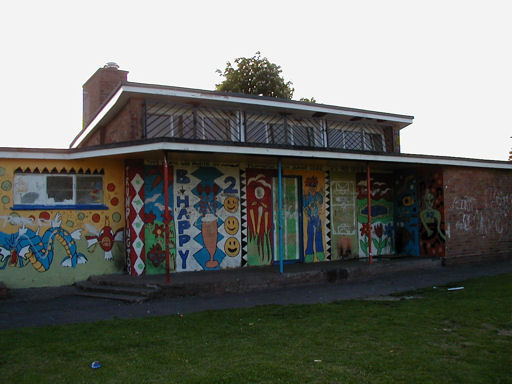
pixel 68 191
pixel 182 121
pixel 358 137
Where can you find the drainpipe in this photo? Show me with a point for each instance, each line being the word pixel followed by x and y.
pixel 280 213
pixel 369 187
pixel 167 219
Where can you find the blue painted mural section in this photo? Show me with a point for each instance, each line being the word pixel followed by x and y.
pixel 406 215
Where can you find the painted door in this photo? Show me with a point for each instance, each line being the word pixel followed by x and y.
pixel 292 220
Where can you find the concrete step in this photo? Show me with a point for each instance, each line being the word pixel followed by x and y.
pixel 123 292
pixel 118 289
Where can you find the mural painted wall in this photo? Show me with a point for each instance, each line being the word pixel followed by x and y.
pixel 344 228
pixel 292 232
pixel 259 216
pixel 406 215
pixel 314 213
pixel 207 217
pixel 135 232
pixel 60 221
pixel 432 223
pixel 155 221
pixel 382 233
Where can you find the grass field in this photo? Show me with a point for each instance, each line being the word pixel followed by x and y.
pixel 442 336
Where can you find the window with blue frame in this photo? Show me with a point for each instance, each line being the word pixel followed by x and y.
pixel 61 191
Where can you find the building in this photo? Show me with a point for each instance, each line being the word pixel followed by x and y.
pixel 166 179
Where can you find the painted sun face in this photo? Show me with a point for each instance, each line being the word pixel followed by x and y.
pixel 259 192
pixel 231 204
pixel 232 247
pixel 231 225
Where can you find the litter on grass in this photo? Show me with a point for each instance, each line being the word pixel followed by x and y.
pixel 455 289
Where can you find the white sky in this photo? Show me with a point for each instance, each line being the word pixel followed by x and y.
pixel 447 63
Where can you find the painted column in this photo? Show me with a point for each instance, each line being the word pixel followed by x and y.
pixel 280 213
pixel 369 187
pixel 167 218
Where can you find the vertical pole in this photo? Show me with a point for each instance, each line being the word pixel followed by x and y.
pixel 166 220
pixel 369 188
pixel 280 212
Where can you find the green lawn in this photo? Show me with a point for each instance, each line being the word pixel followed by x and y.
pixel 443 337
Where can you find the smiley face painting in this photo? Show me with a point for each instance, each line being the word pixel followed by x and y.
pixel 231 225
pixel 232 247
pixel 207 201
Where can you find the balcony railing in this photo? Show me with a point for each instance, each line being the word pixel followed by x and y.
pixel 185 122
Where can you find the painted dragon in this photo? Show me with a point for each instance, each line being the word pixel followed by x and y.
pixel 25 246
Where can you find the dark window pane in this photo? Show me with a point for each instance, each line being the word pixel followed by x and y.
pixel 89 190
pixel 60 188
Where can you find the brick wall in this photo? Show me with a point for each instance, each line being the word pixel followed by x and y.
pixel 98 88
pixel 478 208
pixel 126 126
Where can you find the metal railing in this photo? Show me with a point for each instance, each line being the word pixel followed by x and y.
pixel 186 122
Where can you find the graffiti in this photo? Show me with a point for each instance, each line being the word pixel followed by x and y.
pixel 313 204
pixel 25 246
pixel 488 215
pixel 207 216
pixel 259 207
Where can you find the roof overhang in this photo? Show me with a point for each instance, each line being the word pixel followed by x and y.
pixel 129 90
pixel 138 149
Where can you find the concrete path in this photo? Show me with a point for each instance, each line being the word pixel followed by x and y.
pixel 55 306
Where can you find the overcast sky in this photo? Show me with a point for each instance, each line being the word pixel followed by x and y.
pixel 447 63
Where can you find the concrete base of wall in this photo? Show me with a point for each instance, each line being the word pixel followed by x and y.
pixel 476 258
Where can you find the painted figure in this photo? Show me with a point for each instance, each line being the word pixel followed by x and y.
pixel 430 217
pixel 105 238
pixel 26 245
pixel 313 201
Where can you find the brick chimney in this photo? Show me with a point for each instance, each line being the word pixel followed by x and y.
pixel 99 87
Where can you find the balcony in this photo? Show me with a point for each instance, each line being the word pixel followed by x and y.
pixel 185 122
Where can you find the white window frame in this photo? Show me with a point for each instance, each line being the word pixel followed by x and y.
pixel 24 183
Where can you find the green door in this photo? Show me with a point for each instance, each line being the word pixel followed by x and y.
pixel 291 220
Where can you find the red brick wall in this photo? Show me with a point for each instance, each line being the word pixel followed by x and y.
pixel 126 126
pixel 97 89
pixel 478 208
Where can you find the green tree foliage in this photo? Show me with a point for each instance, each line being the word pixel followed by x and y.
pixel 255 76
pixel 308 99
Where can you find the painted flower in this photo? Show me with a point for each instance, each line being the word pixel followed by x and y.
pixel 159 230
pixel 365 230
pixel 156 255
pixel 379 230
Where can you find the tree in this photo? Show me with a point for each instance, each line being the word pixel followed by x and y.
pixel 308 100
pixel 255 76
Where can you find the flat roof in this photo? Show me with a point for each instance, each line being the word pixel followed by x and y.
pixel 143 147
